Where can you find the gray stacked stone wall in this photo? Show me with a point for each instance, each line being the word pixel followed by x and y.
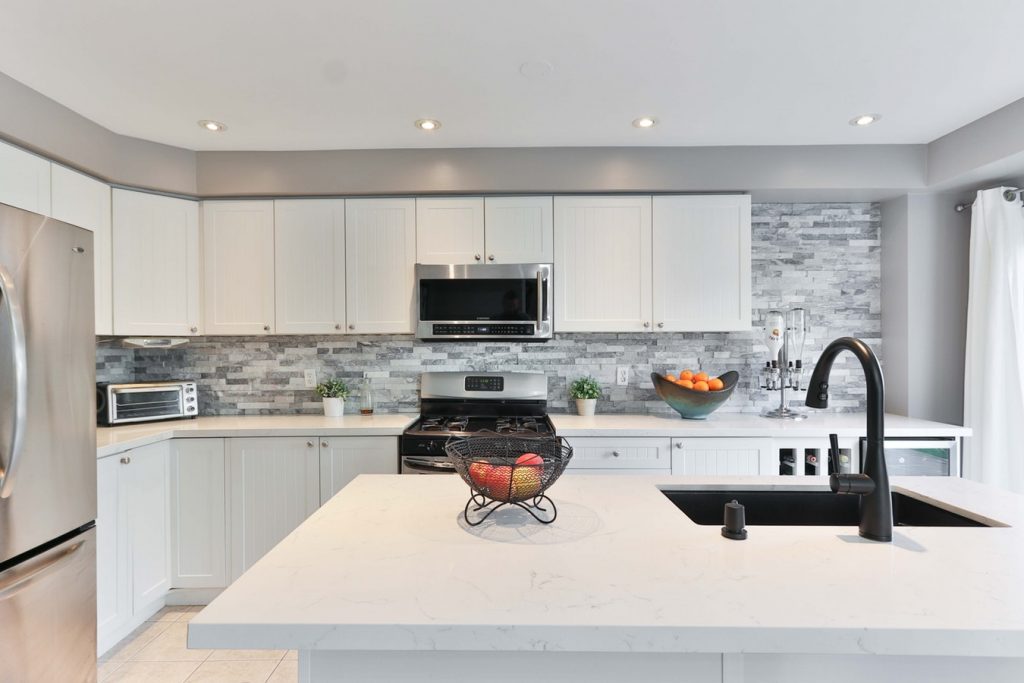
pixel 823 257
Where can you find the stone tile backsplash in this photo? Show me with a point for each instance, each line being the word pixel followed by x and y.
pixel 824 257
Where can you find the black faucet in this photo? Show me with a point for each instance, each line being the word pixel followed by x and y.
pixel 873 485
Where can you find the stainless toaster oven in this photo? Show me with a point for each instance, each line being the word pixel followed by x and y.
pixel 125 403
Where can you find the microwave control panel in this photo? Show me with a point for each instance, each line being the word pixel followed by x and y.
pixel 486 329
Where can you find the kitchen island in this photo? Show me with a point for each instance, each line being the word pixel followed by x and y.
pixel 385 582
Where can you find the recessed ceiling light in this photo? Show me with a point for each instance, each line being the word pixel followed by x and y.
pixel 864 119
pixel 212 126
pixel 428 124
pixel 645 122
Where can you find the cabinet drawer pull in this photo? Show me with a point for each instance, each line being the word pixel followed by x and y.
pixel 324 444
pixel 309 444
pixel 126 460
pixel 615 454
pixel 679 444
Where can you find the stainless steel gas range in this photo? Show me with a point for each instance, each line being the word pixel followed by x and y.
pixel 461 404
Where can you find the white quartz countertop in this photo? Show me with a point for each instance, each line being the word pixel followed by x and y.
pixel 817 424
pixel 388 565
pixel 111 440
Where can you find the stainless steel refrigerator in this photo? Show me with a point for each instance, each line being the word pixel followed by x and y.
pixel 47 450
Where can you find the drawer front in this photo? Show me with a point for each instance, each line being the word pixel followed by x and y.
pixel 639 454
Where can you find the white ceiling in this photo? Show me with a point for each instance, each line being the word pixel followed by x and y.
pixel 334 74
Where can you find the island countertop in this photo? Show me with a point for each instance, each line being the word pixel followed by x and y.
pixel 387 564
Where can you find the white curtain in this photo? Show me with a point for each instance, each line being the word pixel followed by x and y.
pixel 994 372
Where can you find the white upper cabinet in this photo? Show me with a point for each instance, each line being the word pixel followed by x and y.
pixel 711 291
pixel 450 230
pixel 83 201
pixel 156 264
pixel 238 274
pixel 380 260
pixel 309 265
pixel 602 264
pixel 24 180
pixel 519 230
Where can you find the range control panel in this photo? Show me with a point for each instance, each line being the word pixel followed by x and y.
pixel 496 329
pixel 485 383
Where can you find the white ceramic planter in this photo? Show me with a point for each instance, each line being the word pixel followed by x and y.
pixel 586 406
pixel 334 407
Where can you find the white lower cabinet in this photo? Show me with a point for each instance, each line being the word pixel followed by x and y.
pixel 601 455
pixel 199 537
pixel 133 539
pixel 723 456
pixel 342 459
pixel 274 485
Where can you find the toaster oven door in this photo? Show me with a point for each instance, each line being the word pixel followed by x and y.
pixel 141 404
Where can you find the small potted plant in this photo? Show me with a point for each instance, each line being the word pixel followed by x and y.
pixel 586 391
pixel 334 392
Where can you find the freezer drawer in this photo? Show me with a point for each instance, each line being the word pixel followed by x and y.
pixel 48 614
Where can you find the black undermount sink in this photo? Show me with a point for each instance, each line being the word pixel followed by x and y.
pixel 808 508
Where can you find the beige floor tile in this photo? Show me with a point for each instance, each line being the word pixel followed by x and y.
pixel 170 613
pixel 233 672
pixel 135 641
pixel 238 655
pixel 105 669
pixel 292 655
pixel 170 646
pixel 153 672
pixel 286 672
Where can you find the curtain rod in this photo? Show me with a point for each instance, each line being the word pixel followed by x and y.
pixel 1009 194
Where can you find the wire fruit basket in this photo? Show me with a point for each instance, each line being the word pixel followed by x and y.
pixel 509 470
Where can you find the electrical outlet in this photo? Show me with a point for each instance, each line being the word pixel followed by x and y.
pixel 622 375
pixel 310 377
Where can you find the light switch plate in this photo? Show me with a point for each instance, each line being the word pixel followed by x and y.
pixel 310 377
pixel 622 375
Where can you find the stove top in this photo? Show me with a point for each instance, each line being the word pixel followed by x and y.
pixel 461 425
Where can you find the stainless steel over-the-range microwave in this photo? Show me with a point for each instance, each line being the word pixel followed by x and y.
pixel 487 301
pixel 124 403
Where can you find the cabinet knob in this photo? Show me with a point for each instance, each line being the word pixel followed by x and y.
pixel 266 328
pixel 324 444
pixel 615 454
pixel 193 329
pixel 646 325
pixel 661 325
pixel 309 444
pixel 491 257
pixel 126 460
pixel 679 444
pixel 337 326
pixel 351 327
pixel 476 256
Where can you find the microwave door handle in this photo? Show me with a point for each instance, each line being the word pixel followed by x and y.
pixel 19 367
pixel 540 299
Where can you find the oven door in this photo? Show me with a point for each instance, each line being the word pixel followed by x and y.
pixel 506 301
pixel 418 464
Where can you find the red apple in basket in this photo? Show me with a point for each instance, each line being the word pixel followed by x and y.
pixel 480 474
pixel 498 482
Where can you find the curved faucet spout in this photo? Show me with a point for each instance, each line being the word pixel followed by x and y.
pixel 876 505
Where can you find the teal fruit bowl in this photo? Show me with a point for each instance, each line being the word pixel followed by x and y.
pixel 691 404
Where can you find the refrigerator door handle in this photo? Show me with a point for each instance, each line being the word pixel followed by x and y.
pixel 16 343
pixel 15 579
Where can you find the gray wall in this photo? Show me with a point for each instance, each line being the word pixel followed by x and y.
pixel 824 257
pixel 925 256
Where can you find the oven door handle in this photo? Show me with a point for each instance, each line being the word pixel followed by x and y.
pixel 428 465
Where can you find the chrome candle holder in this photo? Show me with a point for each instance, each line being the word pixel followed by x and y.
pixel 784 332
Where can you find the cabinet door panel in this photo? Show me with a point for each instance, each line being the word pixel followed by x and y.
pixel 83 201
pixel 113 582
pixel 716 456
pixel 275 486
pixel 602 264
pixel 24 180
pixel 712 293
pixel 156 264
pixel 238 253
pixel 380 259
pixel 198 525
pixel 342 459
pixel 519 229
pixel 148 495
pixel 450 230
pixel 309 266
